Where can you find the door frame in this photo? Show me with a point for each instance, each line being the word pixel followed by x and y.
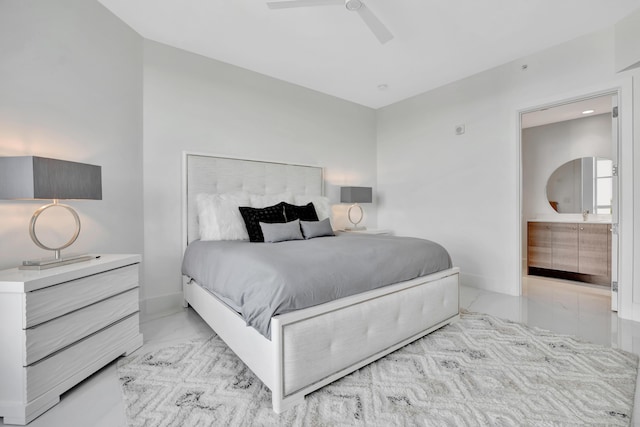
pixel 622 91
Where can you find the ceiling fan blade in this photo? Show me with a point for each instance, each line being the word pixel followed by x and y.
pixel 377 27
pixel 302 3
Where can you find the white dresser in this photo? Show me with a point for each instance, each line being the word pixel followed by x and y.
pixel 59 326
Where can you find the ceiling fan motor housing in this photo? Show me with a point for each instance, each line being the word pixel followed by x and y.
pixel 378 28
pixel 353 4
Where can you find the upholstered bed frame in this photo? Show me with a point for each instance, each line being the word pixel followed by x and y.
pixel 312 347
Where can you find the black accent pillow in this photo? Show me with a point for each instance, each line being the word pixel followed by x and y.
pixel 253 217
pixel 303 213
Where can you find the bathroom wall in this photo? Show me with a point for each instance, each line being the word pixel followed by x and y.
pixel 547 147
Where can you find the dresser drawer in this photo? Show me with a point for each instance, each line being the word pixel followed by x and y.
pixel 62 324
pixel 93 351
pixel 54 301
pixel 49 337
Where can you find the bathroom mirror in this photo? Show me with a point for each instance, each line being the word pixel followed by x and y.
pixel 581 185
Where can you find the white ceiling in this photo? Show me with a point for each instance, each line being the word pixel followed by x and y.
pixel 329 49
pixel 564 112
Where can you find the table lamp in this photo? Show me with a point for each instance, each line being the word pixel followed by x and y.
pixel 355 195
pixel 34 178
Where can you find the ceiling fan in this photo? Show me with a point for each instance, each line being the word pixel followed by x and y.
pixel 375 25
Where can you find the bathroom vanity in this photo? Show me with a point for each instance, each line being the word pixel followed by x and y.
pixel 578 251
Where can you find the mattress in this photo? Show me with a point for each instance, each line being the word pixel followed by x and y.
pixel 262 280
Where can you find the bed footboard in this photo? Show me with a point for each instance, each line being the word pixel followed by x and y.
pixel 315 346
pixel 319 345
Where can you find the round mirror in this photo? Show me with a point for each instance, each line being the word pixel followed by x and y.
pixel 582 185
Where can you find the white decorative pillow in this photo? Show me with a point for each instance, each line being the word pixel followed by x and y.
pixel 320 203
pixel 219 217
pixel 260 201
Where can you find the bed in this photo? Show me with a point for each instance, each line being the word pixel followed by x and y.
pixel 307 348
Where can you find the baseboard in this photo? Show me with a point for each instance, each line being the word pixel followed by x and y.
pixel 486 283
pixel 163 305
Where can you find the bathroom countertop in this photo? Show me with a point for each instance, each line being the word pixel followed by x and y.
pixel 573 219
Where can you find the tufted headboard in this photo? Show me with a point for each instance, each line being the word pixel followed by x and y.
pixel 214 174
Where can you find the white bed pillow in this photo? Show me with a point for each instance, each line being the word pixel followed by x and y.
pixel 219 217
pixel 320 203
pixel 260 201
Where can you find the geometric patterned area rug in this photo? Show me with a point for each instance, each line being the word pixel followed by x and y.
pixel 478 371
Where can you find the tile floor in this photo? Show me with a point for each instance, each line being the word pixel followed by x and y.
pixel 556 305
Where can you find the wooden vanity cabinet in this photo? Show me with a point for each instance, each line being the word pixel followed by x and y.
pixel 581 249
pixel 539 244
pixel 564 247
pixel 594 256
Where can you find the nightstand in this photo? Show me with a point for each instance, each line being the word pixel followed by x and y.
pixel 379 231
pixel 59 326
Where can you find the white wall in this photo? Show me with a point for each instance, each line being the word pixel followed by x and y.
pixel 627 34
pixel 463 191
pixel 546 148
pixel 198 104
pixel 71 88
pixel 635 155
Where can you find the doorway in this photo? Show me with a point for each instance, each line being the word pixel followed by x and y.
pixel 569 191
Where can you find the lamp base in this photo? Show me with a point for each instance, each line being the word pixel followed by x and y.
pixel 45 263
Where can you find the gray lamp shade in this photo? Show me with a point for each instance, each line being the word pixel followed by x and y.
pixel 356 195
pixel 31 177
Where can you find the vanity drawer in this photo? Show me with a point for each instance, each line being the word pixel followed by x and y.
pixel 86 356
pixel 49 337
pixel 54 301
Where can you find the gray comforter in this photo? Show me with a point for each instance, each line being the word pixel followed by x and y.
pixel 261 280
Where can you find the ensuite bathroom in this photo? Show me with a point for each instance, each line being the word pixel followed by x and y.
pixel 569 195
